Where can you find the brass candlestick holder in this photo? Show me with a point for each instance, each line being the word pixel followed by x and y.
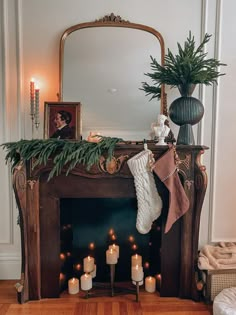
pixel 112 288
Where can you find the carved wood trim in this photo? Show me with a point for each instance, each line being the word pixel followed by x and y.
pixel 112 18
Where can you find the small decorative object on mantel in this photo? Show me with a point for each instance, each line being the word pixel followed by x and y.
pixel 160 129
pixel 184 70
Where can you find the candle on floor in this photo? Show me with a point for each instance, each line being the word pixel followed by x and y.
pixel 111 256
pixel 136 260
pixel 116 248
pixel 158 281
pixel 73 286
pixel 150 284
pixel 86 282
pixel 137 273
pixel 88 264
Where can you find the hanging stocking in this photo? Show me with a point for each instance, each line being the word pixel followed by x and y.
pixel 166 170
pixel 149 201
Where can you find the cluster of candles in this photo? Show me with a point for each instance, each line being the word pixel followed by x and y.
pixel 112 256
pixel 34 102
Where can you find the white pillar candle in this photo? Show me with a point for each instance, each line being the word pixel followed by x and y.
pixel 150 284
pixel 73 286
pixel 88 264
pixel 136 260
pixel 116 248
pixel 86 282
pixel 94 272
pixel 137 273
pixel 111 256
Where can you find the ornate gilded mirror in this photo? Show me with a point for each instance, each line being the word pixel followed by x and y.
pixel 102 65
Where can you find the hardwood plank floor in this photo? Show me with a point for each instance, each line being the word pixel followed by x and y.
pixel 149 304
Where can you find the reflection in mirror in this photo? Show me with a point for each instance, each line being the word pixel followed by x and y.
pixel 103 68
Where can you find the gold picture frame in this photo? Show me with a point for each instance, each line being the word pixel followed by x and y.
pixel 71 110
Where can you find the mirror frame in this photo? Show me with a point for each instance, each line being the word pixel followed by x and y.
pixel 111 21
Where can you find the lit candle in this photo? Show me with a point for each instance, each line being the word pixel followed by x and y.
pixel 86 282
pixel 116 248
pixel 136 260
pixel 37 105
pixel 88 264
pixel 94 271
pixel 32 97
pixel 73 286
pixel 137 273
pixel 150 284
pixel 111 256
pixel 158 281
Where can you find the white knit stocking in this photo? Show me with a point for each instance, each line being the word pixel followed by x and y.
pixel 149 201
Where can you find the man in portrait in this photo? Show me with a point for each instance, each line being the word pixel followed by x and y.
pixel 62 122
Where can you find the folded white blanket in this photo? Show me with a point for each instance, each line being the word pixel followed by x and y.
pixel 220 256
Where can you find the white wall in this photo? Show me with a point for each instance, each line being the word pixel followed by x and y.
pixel 30 31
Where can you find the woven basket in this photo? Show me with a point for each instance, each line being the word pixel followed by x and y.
pixel 216 281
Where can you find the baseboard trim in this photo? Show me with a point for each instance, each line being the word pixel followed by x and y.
pixel 10 267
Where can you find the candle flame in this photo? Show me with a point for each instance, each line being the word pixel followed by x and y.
pixel 131 238
pixel 134 246
pixel 146 265
pixel 62 256
pixel 111 231
pixel 78 267
pixel 91 245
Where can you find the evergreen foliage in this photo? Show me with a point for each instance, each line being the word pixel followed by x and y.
pixel 189 66
pixel 62 152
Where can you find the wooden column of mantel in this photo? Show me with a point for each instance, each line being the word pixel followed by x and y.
pixel 39 208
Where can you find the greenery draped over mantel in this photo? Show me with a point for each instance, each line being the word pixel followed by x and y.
pixel 62 152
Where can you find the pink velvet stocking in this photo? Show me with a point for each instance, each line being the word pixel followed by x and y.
pixel 166 170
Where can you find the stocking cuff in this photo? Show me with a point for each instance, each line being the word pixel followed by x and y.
pixel 139 163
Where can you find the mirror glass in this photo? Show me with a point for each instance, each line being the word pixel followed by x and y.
pixel 103 68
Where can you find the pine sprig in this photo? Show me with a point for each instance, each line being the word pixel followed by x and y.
pixel 63 153
pixel 189 66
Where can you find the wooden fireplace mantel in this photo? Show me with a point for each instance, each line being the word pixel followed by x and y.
pixel 38 202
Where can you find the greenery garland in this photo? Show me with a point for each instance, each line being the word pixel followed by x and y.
pixel 62 152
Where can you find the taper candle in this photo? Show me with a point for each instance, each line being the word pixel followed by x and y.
pixel 36 105
pixel 32 97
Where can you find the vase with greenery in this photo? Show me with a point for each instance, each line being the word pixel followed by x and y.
pixel 189 67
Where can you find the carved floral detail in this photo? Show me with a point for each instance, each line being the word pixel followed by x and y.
pixel 112 18
pixel 112 166
pixel 31 183
pixel 189 183
pixel 186 161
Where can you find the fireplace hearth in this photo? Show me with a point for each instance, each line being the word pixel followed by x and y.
pixel 41 211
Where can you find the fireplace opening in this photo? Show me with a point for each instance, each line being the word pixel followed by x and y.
pixel 90 225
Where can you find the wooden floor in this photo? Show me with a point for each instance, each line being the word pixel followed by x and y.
pixel 149 304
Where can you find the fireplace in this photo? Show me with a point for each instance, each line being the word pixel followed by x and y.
pixel 41 210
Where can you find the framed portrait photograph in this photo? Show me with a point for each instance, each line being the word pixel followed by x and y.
pixel 62 120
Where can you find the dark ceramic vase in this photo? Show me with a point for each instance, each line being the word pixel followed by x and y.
pixel 185 112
